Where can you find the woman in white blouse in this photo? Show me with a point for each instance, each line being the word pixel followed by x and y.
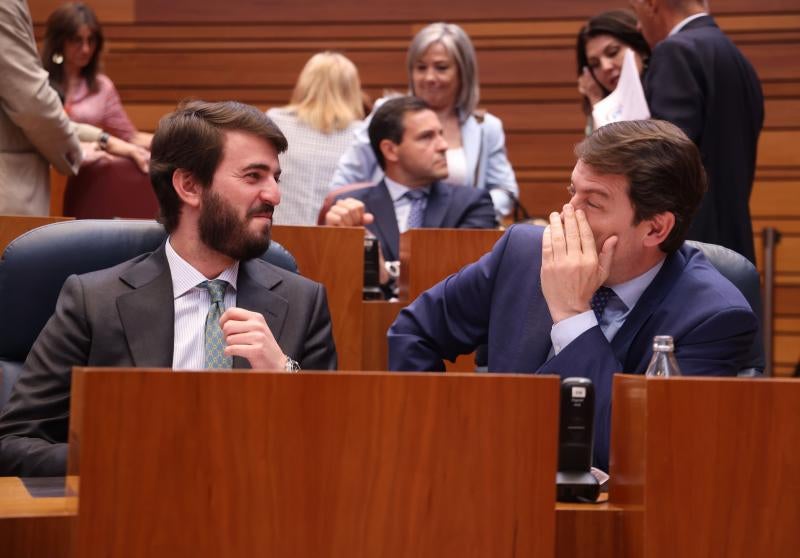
pixel 319 123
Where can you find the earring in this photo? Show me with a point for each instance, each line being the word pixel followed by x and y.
pixel 57 58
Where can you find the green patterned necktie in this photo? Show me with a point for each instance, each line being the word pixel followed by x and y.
pixel 214 339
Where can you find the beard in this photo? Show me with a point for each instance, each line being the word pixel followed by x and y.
pixel 222 229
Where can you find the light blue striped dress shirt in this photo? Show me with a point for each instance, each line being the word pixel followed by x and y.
pixel 402 205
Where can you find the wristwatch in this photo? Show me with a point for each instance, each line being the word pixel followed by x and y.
pixel 392 269
pixel 291 365
pixel 102 141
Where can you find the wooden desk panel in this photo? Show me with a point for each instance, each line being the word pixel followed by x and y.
pixel 34 527
pixel 38 529
pixel 714 462
pixel 333 256
pixel 250 464
pixel 429 255
pixel 378 316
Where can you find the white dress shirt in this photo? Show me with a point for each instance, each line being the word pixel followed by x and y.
pixel 683 23
pixel 191 308
pixel 456 167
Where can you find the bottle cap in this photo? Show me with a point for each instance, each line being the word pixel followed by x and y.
pixel 663 343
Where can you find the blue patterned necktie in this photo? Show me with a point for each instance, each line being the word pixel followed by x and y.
pixel 214 339
pixel 600 301
pixel 419 200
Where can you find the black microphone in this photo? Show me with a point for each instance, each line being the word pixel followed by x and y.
pixel 574 480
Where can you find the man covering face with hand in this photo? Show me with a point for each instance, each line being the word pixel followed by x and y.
pixel 585 295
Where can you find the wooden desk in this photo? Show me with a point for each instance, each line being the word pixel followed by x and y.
pixel 42 527
pixel 713 462
pixel 429 255
pixel 35 527
pixel 333 256
pixel 314 464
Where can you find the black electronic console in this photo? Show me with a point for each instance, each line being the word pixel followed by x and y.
pixel 372 287
pixel 574 480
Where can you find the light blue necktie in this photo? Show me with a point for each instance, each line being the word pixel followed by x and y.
pixel 214 339
pixel 419 200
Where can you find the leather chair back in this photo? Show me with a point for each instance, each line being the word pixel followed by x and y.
pixel 741 272
pixel 36 264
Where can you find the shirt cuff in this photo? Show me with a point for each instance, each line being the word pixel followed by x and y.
pixel 503 204
pixel 566 331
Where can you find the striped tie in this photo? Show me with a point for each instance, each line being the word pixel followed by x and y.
pixel 419 200
pixel 214 339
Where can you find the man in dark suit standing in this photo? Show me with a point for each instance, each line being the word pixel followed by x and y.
pixel 586 295
pixel 698 80
pixel 202 300
pixel 409 143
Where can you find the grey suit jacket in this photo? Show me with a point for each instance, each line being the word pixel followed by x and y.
pixel 124 316
pixel 33 126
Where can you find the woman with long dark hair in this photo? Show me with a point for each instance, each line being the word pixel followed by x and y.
pixel 73 44
pixel 601 49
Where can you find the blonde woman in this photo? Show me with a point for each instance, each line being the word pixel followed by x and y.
pixel 319 124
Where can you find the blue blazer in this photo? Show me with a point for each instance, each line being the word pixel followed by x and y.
pixel 484 148
pixel 498 301
pixel 449 207
pixel 698 80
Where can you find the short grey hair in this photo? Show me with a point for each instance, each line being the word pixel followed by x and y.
pixel 458 45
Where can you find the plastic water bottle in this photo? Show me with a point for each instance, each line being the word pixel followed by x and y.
pixel 663 363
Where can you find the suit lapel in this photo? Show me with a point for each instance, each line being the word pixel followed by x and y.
pixel 471 138
pixel 254 292
pixel 436 209
pixel 384 227
pixel 147 312
pixel 648 303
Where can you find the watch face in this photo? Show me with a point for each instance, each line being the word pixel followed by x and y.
pixel 292 365
pixel 392 268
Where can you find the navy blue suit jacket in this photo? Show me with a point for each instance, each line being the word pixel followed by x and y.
pixel 449 207
pixel 498 300
pixel 698 80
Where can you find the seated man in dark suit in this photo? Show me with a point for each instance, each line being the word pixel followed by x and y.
pixel 204 299
pixel 409 144
pixel 536 297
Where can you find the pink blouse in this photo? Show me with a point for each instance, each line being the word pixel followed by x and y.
pixel 102 108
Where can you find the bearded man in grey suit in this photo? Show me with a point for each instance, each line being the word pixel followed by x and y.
pixel 202 300
pixel 34 130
